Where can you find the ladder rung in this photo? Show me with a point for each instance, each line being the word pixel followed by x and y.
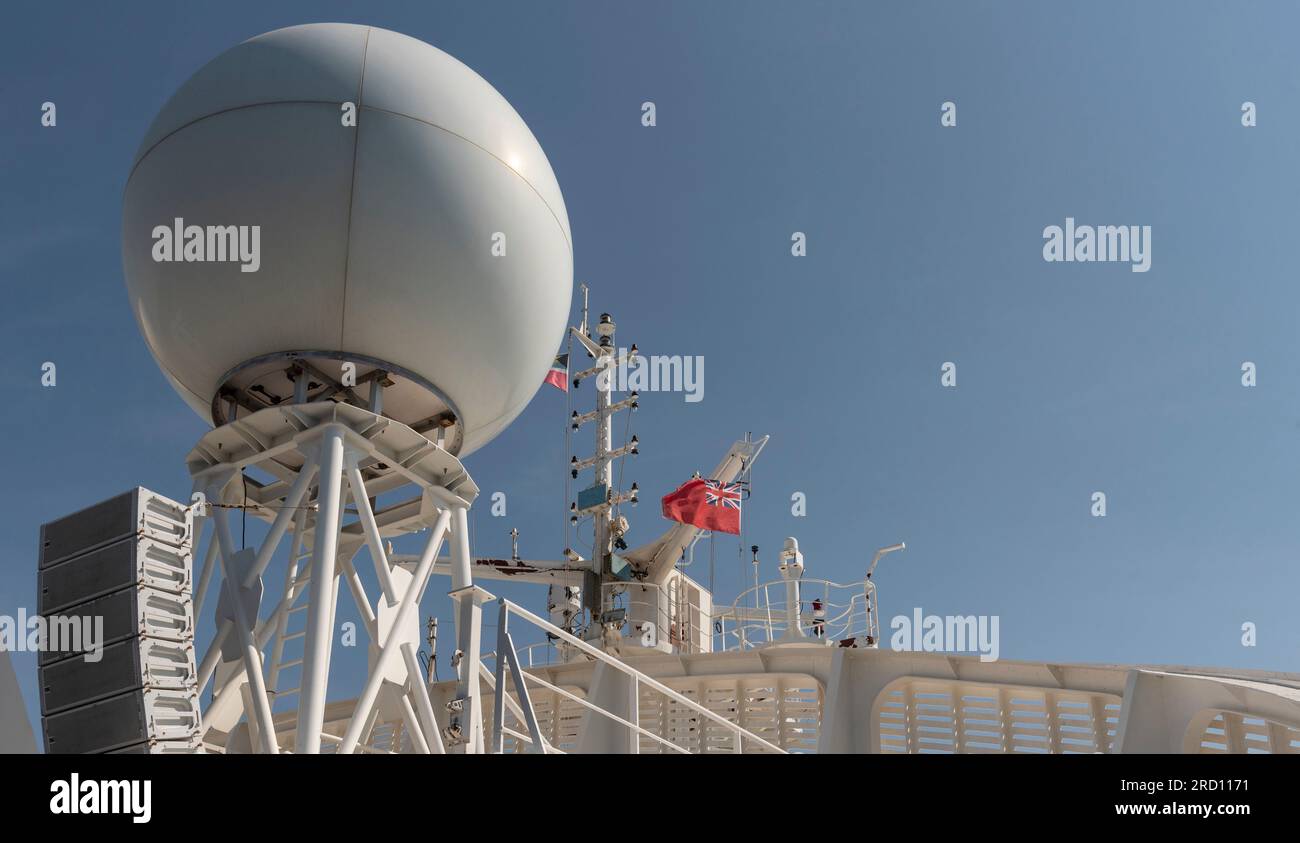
pixel 289 664
pixel 296 609
pixel 291 636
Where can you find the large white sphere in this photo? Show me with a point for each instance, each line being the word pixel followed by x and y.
pixel 376 240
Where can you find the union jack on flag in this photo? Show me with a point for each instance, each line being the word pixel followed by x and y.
pixel 706 504
pixel 722 494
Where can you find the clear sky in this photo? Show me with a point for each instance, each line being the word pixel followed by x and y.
pixel 924 246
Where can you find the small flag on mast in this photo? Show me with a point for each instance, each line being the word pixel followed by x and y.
pixel 558 376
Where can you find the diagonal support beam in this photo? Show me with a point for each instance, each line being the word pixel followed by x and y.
pixel 209 664
pixel 423 705
pixel 413 726
pixel 521 688
pixel 511 706
pixel 282 518
pixel 389 649
pixel 373 539
pixel 205 577
pixel 359 597
pixel 252 656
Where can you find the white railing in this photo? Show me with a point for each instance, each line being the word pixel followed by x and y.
pixel 521 708
pixel 539 654
pixel 830 611
pixel 843 613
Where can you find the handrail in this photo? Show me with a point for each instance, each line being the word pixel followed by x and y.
pixel 740 598
pixel 590 706
pixel 693 628
pixel 769 619
pixel 529 649
pixel 636 675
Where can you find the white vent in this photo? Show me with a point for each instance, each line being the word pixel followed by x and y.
pixel 784 709
pixel 919 716
pixel 1231 733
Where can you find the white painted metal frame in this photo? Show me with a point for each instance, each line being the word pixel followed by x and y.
pixel 332 444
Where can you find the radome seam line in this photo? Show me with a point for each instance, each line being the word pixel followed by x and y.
pixel 352 189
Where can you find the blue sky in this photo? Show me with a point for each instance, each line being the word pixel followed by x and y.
pixel 924 246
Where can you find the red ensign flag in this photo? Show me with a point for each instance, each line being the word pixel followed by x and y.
pixel 707 504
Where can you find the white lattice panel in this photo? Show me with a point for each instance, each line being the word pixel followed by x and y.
pixel 784 709
pixel 1232 733
pixel 928 716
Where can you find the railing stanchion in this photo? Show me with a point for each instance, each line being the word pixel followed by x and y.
pixel 499 701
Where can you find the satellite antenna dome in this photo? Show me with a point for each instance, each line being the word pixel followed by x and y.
pixel 341 205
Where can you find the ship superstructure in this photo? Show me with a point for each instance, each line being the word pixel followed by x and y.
pixel 416 288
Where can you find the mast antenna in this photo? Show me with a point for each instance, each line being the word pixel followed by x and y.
pixel 582 329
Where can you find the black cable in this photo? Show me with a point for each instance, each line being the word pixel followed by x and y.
pixel 243 524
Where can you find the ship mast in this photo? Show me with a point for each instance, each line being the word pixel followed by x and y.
pixel 601 500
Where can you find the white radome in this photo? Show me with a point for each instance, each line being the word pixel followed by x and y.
pixel 376 241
